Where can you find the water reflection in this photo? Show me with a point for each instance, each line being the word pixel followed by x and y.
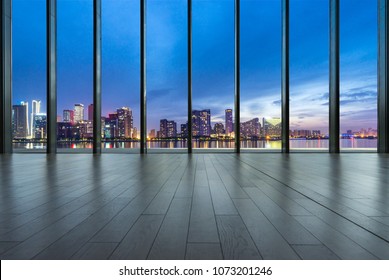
pixel 208 144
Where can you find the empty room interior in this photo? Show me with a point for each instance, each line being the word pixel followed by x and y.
pixel 194 130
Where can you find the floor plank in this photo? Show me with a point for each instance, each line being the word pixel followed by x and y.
pixel 235 240
pixel 95 251
pixel 171 239
pixel 137 243
pixel 204 251
pixel 268 240
pixel 315 252
pixel 202 227
pixel 287 225
pixel 340 244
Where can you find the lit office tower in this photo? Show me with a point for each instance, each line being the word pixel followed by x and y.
pixel 250 129
pixel 90 112
pixel 167 129
pixel 68 116
pixel 35 109
pixel 125 122
pixel 201 122
pixel 40 121
pixel 27 121
pixel 218 129
pixel 184 130
pixel 111 126
pixel 229 122
pixel 272 127
pixel 20 120
pixel 78 112
pixel 163 128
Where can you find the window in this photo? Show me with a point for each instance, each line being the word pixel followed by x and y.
pixel 309 74
pixel 29 74
pixel 358 74
pixel 120 118
pixel 213 74
pixel 75 74
pixel 167 74
pixel 260 123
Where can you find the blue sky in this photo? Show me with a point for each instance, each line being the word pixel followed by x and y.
pixel 213 58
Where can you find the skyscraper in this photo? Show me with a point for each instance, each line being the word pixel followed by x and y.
pixel 250 129
pixel 86 129
pixel 125 122
pixel 272 127
pixel 218 129
pixel 111 126
pixel 27 114
pixel 65 130
pixel 68 116
pixel 168 129
pixel 78 112
pixel 229 122
pixel 90 112
pixel 184 130
pixel 201 122
pixel 35 109
pixel 20 120
pixel 40 122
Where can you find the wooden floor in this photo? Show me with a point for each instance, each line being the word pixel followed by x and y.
pixel 204 206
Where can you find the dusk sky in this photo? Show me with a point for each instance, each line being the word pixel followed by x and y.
pixel 213 58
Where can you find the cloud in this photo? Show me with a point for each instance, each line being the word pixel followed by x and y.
pixel 321 97
pixel 305 115
pixel 157 93
pixel 360 95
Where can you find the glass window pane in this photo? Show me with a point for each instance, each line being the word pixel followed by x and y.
pixel 75 73
pixel 358 72
pixel 309 74
pixel 167 74
pixel 213 74
pixel 260 122
pixel 120 74
pixel 29 74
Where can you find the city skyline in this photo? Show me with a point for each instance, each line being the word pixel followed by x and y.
pixel 120 125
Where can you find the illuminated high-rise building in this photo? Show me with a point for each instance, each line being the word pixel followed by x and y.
pixel 90 112
pixel 301 133
pixel 65 130
pixel 35 109
pixel 68 116
pixel 229 122
pixel 20 120
pixel 218 129
pixel 272 127
pixel 168 129
pixel 184 130
pixel 40 122
pixel 86 129
pixel 316 133
pixel 201 122
pixel 78 113
pixel 125 122
pixel 250 129
pixel 27 119
pixel 111 126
